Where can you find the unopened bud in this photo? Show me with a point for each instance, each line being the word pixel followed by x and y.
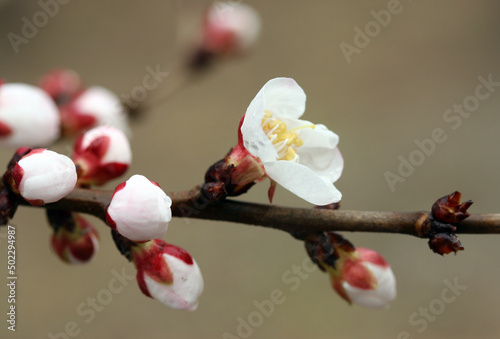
pixel 101 154
pixel 76 240
pixel 43 176
pixel 445 243
pixel 28 116
pixel 139 209
pixel 230 27
pixel 96 106
pixel 168 274
pixel 62 85
pixel 358 275
pixel 448 209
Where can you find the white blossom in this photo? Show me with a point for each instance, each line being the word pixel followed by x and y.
pixel 301 156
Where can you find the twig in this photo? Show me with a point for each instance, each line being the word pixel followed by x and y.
pixel 299 222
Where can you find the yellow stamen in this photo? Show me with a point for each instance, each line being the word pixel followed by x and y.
pixel 282 138
pixel 301 127
pixel 290 154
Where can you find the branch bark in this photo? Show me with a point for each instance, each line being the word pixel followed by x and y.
pixel 299 222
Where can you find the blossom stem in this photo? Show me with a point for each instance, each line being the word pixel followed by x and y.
pixel 177 78
pixel 300 222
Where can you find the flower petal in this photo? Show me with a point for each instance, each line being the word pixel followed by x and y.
pixel 104 105
pixel 254 138
pixel 186 288
pixel 284 98
pixel 303 182
pixel 320 152
pixel 379 297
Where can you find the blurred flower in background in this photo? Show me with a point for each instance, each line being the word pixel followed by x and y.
pixel 28 116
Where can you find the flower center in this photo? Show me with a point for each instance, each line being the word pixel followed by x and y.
pixel 284 140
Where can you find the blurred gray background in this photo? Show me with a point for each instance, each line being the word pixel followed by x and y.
pixel 394 91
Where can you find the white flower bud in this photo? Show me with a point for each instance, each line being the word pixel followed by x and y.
pixel 139 209
pixel 28 116
pixel 168 274
pixel 96 106
pixel 44 176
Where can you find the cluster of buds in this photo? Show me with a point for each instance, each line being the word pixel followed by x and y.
pixel 358 275
pixel 274 143
pixel 139 211
pixel 447 212
pixel 99 155
pixel 40 176
pixel 82 108
pixel 139 214
pixel 35 116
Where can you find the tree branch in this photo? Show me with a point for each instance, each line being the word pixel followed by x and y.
pixel 299 222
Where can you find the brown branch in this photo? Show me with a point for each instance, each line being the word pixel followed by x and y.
pixel 297 221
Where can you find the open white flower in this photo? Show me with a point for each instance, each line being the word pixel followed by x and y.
pixel 297 154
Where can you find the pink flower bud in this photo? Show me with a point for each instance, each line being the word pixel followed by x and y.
pixel 230 27
pixel 28 116
pixel 168 274
pixel 101 154
pixel 44 176
pixel 358 275
pixel 96 106
pixel 62 85
pixel 365 278
pixel 139 209
pixel 78 245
